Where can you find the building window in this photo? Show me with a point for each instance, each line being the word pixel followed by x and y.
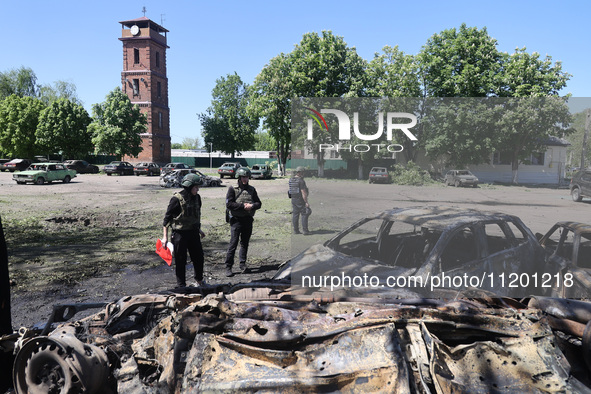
pixel 157 59
pixel 136 56
pixel 159 89
pixel 162 150
pixel 501 158
pixel 136 87
pixel 536 159
pixel 160 120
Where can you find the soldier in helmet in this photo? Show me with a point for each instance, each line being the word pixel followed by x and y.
pixel 183 215
pixel 298 192
pixel 242 201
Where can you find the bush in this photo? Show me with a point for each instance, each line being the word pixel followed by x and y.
pixel 411 174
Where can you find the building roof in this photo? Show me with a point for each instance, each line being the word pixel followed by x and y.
pixel 144 22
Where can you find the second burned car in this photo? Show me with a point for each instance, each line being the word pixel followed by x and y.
pixel 417 248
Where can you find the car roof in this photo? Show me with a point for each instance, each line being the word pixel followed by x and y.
pixel 577 227
pixel 440 217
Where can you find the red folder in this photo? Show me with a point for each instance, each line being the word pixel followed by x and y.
pixel 164 251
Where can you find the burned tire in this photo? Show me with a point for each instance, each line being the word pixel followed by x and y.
pixel 67 179
pixel 40 180
pixel 458 184
pixel 576 194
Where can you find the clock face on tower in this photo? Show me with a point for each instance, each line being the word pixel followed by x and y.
pixel 135 30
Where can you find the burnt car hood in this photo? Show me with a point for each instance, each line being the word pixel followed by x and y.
pixel 321 262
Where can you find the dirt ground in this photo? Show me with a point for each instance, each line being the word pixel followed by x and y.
pixel 93 240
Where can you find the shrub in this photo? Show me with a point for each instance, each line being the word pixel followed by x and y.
pixel 411 174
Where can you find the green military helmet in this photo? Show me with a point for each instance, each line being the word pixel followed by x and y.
pixel 300 169
pixel 191 180
pixel 243 171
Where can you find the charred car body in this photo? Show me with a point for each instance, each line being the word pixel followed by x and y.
pixel 571 242
pixel 173 178
pixel 427 248
pixel 264 337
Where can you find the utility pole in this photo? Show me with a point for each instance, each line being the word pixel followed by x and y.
pixel 585 136
pixel 210 152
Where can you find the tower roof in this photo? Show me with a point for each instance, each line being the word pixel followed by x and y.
pixel 144 22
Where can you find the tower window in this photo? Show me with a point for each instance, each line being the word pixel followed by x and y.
pixel 136 56
pixel 157 59
pixel 159 89
pixel 160 119
pixel 136 87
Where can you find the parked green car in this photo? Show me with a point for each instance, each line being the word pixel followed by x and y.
pixel 261 171
pixel 40 173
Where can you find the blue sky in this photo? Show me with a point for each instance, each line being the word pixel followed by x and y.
pixel 77 41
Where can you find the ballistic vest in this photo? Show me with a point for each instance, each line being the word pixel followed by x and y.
pixel 190 216
pixel 295 190
pixel 243 197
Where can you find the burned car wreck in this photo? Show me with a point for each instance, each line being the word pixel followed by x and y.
pixel 277 335
pixel 264 337
pixel 430 251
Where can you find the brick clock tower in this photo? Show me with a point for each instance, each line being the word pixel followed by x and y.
pixel 145 82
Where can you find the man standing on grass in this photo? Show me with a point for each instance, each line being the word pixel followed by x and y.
pixel 241 201
pixel 184 216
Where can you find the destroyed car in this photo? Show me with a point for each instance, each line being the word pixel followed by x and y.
pixel 459 178
pixel 429 250
pixel 175 177
pixel 173 166
pixel 571 242
pixel 261 171
pixel 40 173
pixel 265 337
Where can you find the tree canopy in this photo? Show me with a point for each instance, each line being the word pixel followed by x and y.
pixel 227 123
pixel 63 129
pixel 19 117
pixel 117 125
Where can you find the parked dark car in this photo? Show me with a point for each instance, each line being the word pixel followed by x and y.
pixel 261 171
pixel 580 185
pixel 118 167
pixel 460 178
pixel 229 169
pixel 81 166
pixel 379 175
pixel 17 165
pixel 146 168
pixel 174 166
pixel 2 164
pixel 571 242
pixel 429 243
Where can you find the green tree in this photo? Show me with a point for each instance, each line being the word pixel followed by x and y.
pixel 393 74
pixel 21 81
pixel 227 123
pixel 524 75
pixel 117 125
pixel 460 62
pixel 63 128
pixel 264 142
pixel 319 66
pixel 527 123
pixel 272 92
pixel 191 143
pixel 19 117
pixel 575 150
pixel 59 90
